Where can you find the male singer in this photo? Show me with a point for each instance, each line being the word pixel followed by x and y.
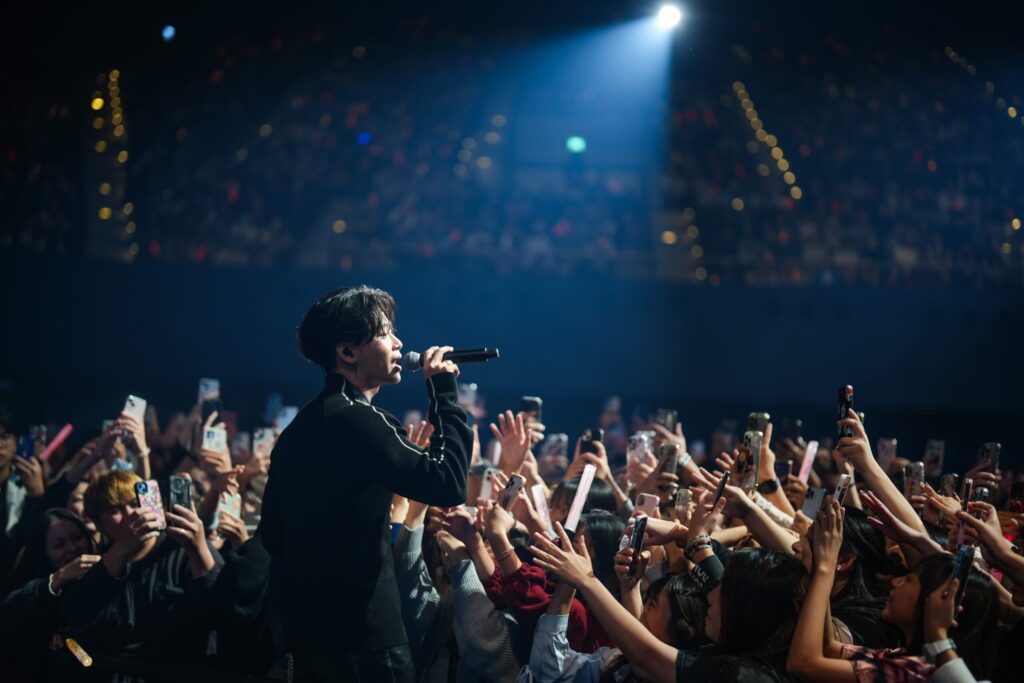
pixel 326 511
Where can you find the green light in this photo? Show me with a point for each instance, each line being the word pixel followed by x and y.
pixel 576 144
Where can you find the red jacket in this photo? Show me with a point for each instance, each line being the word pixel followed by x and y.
pixel 525 594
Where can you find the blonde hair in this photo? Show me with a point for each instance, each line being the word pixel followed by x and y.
pixel 109 490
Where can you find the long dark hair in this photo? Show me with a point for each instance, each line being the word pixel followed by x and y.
pixel 600 497
pixel 687 606
pixel 606 531
pixel 761 594
pixel 977 630
pixel 32 561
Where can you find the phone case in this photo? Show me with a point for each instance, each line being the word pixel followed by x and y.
pixel 180 493
pixel 229 502
pixel 148 494
pixel 646 504
pixel 215 439
pixel 745 468
pixel 511 491
pixel 133 405
pixel 813 502
pixel 209 389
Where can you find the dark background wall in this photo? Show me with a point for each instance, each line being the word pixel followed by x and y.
pixel 80 335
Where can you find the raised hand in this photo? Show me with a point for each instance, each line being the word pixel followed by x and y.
pixel 185 527
pixel 232 529
pixel 856 449
pixel 828 535
pixel 420 434
pixel 623 561
pixel 30 470
pixel 940 611
pixel 514 435
pixel 134 433
pixel 895 528
pixel 705 514
pixel 571 563
pixel 73 570
pixel 986 530
pixel 637 471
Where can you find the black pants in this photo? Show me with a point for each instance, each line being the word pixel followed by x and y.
pixel 389 665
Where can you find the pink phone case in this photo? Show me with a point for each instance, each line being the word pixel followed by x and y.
pixel 150 500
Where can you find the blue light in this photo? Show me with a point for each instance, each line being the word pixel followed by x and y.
pixel 576 145
pixel 168 33
pixel 364 138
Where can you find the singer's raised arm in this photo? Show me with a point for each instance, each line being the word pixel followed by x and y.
pixel 435 475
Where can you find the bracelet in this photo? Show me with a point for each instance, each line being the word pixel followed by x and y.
pixel 505 554
pixel 49 586
pixel 701 542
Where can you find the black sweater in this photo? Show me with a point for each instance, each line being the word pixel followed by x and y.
pixel 157 611
pixel 326 512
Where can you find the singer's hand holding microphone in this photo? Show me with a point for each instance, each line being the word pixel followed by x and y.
pixel 438 359
pixel 433 361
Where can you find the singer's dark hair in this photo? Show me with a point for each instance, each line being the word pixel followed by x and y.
pixel 349 315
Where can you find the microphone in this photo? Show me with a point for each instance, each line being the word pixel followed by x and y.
pixel 413 361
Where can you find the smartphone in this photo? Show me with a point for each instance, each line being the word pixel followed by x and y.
pixel 147 494
pixel 636 541
pixel 209 389
pixel 487 482
pixel 637 446
pixel 180 492
pixel 842 487
pixel 589 437
pixel 263 441
pixel 962 569
pixel 721 487
pixel 783 469
pixel 285 417
pixel 845 406
pixel 646 504
pixel 508 495
pixel 667 418
pixel 135 406
pixel 886 449
pixel 26 447
pixel 210 406
pixel 813 502
pixel 682 501
pixel 1016 503
pixel 215 439
pixel 229 502
pixel 531 406
pixel 668 454
pixel 949 485
pixel 990 453
pixel 758 422
pixel 747 459
pixel 914 478
pixel 934 458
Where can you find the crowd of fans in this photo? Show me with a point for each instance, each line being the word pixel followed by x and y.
pixel 729 583
pixel 312 152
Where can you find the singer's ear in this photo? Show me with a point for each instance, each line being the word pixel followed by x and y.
pixel 346 356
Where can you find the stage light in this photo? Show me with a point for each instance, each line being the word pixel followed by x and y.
pixel 364 138
pixel 576 144
pixel 97 103
pixel 168 33
pixel 669 16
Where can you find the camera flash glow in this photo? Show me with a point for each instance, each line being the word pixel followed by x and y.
pixel 669 16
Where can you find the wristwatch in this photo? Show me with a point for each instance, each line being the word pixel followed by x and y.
pixel 933 650
pixel 768 486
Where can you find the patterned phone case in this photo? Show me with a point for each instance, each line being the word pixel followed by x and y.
pixel 148 493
